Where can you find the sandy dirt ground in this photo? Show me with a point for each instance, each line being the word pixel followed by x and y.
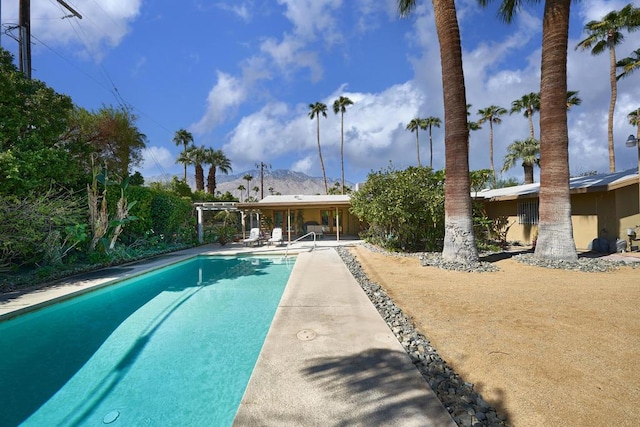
pixel 545 347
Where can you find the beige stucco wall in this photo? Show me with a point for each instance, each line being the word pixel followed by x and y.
pixel 597 214
pixel 349 223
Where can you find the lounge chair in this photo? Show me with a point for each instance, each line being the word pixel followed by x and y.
pixel 276 236
pixel 254 237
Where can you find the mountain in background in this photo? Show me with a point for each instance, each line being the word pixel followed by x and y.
pixel 275 181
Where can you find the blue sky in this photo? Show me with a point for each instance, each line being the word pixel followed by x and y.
pixel 240 76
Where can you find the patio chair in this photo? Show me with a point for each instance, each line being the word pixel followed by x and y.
pixel 254 237
pixel 276 236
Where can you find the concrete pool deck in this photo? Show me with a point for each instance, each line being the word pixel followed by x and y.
pixel 328 359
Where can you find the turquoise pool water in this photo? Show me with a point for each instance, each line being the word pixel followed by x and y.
pixel 173 347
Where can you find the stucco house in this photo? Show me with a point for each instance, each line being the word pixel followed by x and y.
pixel 328 216
pixel 605 206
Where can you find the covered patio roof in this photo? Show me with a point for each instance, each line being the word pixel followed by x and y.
pixel 297 201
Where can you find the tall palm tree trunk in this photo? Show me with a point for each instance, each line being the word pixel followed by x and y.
pixel 530 110
pixel 342 147
pixel 324 175
pixel 555 238
pixel 418 146
pixel 493 169
pixel 612 107
pixel 459 241
pixel 211 180
pixel 430 148
pixel 199 177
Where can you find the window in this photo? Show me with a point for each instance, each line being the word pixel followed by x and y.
pixel 528 212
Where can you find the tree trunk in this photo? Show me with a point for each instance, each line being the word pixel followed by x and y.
pixel 211 181
pixel 342 147
pixel 612 107
pixel 530 111
pixel 555 238
pixel 493 170
pixel 199 177
pixel 459 241
pixel 418 145
pixel 324 175
pixel 528 173
pixel 430 148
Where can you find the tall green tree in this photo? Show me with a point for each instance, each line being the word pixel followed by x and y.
pixel 459 240
pixel 119 142
pixel 315 111
pixel 528 104
pixel 629 64
pixel 414 126
pixel 33 120
pixel 555 238
pixel 527 150
pixel 491 115
pixel 183 137
pixel 218 162
pixel 431 123
pixel 340 106
pixel 605 35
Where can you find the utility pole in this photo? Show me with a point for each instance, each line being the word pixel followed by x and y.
pixel 24 24
pixel 262 166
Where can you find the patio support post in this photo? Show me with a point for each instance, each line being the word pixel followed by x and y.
pixel 243 222
pixel 289 224
pixel 200 230
pixel 337 224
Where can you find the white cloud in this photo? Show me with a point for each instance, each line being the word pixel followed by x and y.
pixel 103 25
pixel 156 161
pixel 305 165
pixel 228 93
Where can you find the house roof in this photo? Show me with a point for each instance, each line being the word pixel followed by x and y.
pixel 298 201
pixel 581 184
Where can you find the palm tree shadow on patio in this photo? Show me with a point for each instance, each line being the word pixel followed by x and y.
pixel 384 385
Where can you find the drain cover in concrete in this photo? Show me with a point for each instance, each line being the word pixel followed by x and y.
pixel 306 335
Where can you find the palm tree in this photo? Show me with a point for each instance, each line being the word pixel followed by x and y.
pixel 492 115
pixel 555 231
pixel 183 137
pixel 528 151
pixel 315 110
pixel 634 120
pixel 529 103
pixel 340 106
pixel 431 123
pixel 248 177
pixel 217 162
pixel 629 64
pixel 185 159
pixel 573 99
pixel 414 125
pixel 241 188
pixel 606 35
pixel 198 155
pixel 459 240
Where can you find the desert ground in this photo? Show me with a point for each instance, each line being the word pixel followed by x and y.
pixel 545 347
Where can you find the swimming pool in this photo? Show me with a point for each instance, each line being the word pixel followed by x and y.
pixel 172 347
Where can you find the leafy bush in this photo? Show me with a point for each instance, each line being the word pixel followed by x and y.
pixel 40 228
pixel 404 209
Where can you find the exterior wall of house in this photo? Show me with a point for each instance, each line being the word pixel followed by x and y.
pixel 627 208
pixel 597 214
pixel 349 223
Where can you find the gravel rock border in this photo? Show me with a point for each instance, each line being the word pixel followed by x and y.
pixel 466 406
